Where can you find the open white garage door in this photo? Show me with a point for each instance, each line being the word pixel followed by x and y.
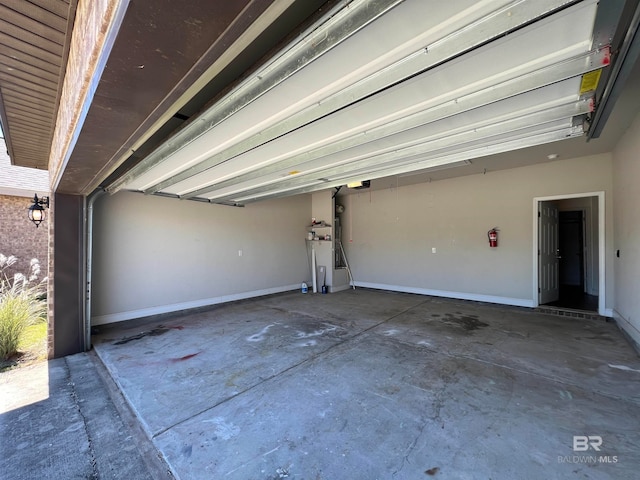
pixel 380 88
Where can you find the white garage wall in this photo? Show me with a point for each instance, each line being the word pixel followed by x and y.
pixel 389 234
pixel 185 254
pixel 626 173
pixel 155 255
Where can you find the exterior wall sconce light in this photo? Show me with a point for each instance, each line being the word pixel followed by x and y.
pixel 36 211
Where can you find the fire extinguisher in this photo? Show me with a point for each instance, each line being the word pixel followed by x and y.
pixel 493 237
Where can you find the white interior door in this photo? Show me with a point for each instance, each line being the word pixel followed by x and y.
pixel 548 253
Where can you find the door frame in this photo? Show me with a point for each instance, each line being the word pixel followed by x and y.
pixel 602 292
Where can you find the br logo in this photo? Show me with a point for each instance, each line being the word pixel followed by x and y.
pixel 582 443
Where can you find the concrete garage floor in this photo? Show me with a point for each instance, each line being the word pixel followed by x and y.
pixel 367 384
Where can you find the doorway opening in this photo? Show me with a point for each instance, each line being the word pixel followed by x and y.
pixel 569 252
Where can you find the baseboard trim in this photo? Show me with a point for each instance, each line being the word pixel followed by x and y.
pixel 630 332
pixel 517 302
pixel 177 307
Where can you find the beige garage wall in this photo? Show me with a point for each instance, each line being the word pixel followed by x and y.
pixel 626 175
pixel 154 255
pixel 389 234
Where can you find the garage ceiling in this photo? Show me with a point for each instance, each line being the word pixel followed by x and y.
pixel 353 90
pixel 385 88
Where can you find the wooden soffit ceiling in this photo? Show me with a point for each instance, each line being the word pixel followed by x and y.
pixel 34 44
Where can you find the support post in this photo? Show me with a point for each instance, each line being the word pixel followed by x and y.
pixel 66 275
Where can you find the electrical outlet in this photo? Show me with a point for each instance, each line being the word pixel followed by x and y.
pixel 239 253
pixel 433 250
pixel 321 268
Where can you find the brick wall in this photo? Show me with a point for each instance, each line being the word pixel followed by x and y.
pixel 90 30
pixel 20 237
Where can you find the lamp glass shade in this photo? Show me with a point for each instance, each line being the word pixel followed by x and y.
pixel 36 214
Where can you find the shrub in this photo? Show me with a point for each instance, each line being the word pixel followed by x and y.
pixel 20 304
